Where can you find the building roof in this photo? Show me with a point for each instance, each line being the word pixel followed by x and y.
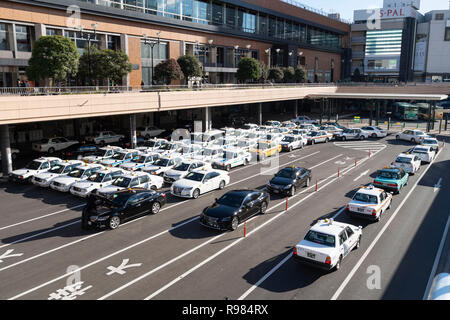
pixel 380 96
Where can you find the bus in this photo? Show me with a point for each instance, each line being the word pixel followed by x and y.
pixel 405 111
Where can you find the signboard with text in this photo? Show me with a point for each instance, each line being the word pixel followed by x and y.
pixel 384 13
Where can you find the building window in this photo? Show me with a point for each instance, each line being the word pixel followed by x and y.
pixel 81 40
pixel 439 16
pixel 113 42
pixel 23 36
pixel 50 32
pixel 217 13
pixel 447 34
pixel 159 51
pixel 4 43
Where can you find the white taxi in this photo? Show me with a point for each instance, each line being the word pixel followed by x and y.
pixel 182 169
pixel 79 173
pixel 327 243
pixel 40 165
pixel 291 142
pixel 152 145
pixel 121 157
pixel 424 153
pixel 208 154
pixel 103 153
pixel 314 137
pixel 200 181
pixel 142 161
pixel 415 136
pixel 162 165
pixel 408 162
pixel 131 180
pixel 99 179
pixel 369 203
pixel 431 142
pixel 170 148
pixel 60 169
pixel 231 158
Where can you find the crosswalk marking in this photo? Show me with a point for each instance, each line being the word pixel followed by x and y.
pixel 373 147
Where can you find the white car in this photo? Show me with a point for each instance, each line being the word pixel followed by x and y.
pixel 303 132
pixel 351 134
pixel 314 137
pixel 247 144
pixel 142 161
pixel 272 123
pixel 288 124
pixel 225 142
pixel 304 120
pixel 170 148
pixel 182 169
pixel 408 162
pixel 309 127
pixel 327 243
pixel 80 173
pixel 424 153
pixel 250 126
pixel 102 153
pixel 415 136
pixel 431 142
pixel 121 157
pixel 292 142
pixel 105 137
pixel 152 145
pixel 162 165
pixel 37 166
pixel 98 180
pixel 148 132
pixel 331 129
pixel 188 151
pixel 131 180
pixel 60 169
pixel 231 158
pixel 14 154
pixel 53 144
pixel 369 203
pixel 208 154
pixel 273 137
pixel 200 181
pixel 375 132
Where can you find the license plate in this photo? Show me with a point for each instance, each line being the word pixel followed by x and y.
pixel 310 255
pixel 89 223
pixel 360 210
pixel 276 191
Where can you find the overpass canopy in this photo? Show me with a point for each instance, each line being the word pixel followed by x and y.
pixel 378 96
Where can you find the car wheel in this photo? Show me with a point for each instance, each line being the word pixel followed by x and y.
pixel 114 223
pixel 344 138
pixel 326 140
pixel 413 140
pixel 338 264
pixel 234 223
pixel 389 206
pixel 358 243
pixel 397 137
pixel 399 190
pixel 155 207
pixel 290 149
pixel 263 208
pixel 361 138
pixel 374 135
pixel 312 142
pixel 308 182
pixel 292 191
pixel 51 150
pixel 221 185
pixel 154 188
pixel 196 194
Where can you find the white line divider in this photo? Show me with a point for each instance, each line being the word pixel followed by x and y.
pixel 374 242
pixel 117 252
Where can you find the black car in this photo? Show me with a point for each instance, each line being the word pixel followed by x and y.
pixel 124 205
pixel 78 151
pixel 287 180
pixel 233 208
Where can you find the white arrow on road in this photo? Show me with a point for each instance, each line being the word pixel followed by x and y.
pixel 362 175
pixel 339 162
pixel 120 269
pixel 8 255
pixel 437 186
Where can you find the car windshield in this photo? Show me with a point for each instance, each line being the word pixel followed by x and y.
pixel 427 141
pixel 388 175
pixel 195 176
pixel 286 173
pixel 320 238
pixel 347 131
pixel 119 156
pixel 419 133
pixel 182 167
pixel 97 177
pixel 209 152
pixel 141 159
pixel 161 162
pixel 403 160
pixel 420 150
pixel 33 165
pixel 288 139
pixel 367 198
pixel 76 173
pixel 123 182
pixel 232 199
pixel 100 153
pixel 56 169
pixel 167 147
pixel 313 134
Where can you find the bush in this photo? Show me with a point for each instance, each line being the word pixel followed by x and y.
pixel 190 66
pixel 276 74
pixel 168 70
pixel 248 70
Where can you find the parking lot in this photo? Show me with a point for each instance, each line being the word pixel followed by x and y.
pixel 44 252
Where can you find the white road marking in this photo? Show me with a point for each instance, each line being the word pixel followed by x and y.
pixel 361 175
pixel 8 254
pixel 437 186
pixel 121 268
pixel 372 245
pixel 436 261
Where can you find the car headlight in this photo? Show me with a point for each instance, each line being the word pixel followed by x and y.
pixel 187 189
pixel 103 218
pixel 226 218
pixel 288 186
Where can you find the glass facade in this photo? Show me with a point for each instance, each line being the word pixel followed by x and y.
pixel 160 53
pixel 214 12
pixel 23 38
pixel 4 42
pixel 384 42
pixel 81 40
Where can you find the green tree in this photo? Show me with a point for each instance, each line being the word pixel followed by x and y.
pixel 288 75
pixel 190 66
pixel 300 74
pixel 276 74
pixel 168 70
pixel 53 58
pixel 90 65
pixel 248 70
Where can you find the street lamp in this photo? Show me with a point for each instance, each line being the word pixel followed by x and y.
pixel 278 51
pixel 268 51
pixel 152 44
pixel 89 38
pixel 236 47
pixel 210 42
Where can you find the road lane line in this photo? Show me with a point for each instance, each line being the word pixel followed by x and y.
pixel 372 245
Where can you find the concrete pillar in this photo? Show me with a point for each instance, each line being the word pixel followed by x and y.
pixel 207 119
pixel 434 115
pixel 5 149
pixel 296 109
pixel 124 47
pixel 429 118
pixel 378 112
pixel 329 104
pixel 133 131
pixel 260 114
pixel 39 30
pixel 322 103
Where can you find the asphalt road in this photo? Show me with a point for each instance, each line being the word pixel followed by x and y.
pixel 170 256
